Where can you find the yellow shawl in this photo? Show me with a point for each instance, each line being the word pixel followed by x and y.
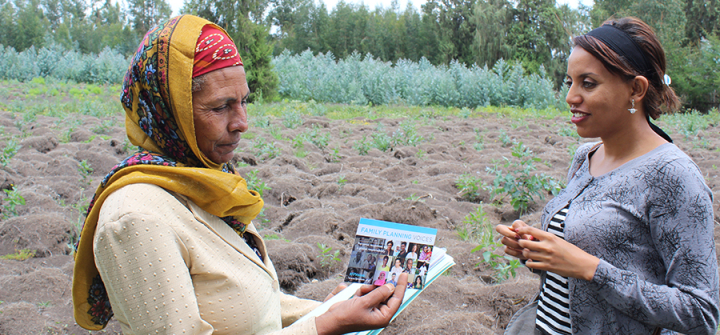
pixel 157 97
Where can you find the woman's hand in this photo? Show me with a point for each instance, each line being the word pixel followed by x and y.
pixel 511 238
pixel 373 307
pixel 337 290
pixel 550 253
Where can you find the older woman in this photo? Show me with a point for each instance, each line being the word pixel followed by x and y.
pixel 627 247
pixel 168 245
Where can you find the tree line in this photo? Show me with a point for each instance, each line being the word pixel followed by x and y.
pixel 536 34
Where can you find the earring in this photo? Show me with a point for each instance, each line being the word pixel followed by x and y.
pixel 632 110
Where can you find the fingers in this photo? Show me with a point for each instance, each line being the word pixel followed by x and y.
pixel 517 224
pixel 336 290
pixel 506 231
pixel 365 289
pixel 515 253
pixel 537 234
pixel 394 302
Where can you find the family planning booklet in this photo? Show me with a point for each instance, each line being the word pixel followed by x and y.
pixel 384 250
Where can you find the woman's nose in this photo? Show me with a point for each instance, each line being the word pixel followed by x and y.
pixel 238 121
pixel 572 98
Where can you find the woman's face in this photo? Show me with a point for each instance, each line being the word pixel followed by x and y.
pixel 398 263
pixel 414 248
pixel 220 113
pixel 425 248
pixel 409 263
pixel 598 99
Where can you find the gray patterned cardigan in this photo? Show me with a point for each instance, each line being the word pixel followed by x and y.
pixel 650 222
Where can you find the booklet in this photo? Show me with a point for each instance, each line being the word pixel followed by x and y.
pixel 382 251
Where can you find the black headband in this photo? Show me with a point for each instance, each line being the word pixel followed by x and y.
pixel 623 45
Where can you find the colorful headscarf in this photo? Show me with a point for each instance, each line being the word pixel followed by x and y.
pixel 157 97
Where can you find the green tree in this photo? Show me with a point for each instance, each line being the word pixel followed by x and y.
pixel 29 25
pixel 493 20
pixel 145 14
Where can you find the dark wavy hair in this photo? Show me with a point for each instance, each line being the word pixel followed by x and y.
pixel 658 94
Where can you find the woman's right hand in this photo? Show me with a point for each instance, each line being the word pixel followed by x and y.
pixel 511 237
pixel 372 308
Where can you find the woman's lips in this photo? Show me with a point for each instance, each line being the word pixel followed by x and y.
pixel 229 146
pixel 578 116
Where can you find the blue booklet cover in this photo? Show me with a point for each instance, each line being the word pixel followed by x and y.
pixel 384 250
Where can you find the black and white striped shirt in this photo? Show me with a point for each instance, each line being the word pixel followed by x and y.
pixel 553 311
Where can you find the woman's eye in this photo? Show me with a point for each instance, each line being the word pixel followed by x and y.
pixel 220 109
pixel 588 84
pixel 568 83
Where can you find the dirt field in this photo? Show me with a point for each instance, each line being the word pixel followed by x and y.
pixel 314 196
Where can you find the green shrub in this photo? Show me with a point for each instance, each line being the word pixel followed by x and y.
pixel 362 146
pixel 469 186
pixel 517 181
pixel 14 199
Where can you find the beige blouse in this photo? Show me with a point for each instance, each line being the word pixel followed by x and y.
pixel 172 268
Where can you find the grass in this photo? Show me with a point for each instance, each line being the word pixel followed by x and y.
pixel 20 255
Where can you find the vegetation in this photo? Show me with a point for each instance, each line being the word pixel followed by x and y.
pixel 254 183
pixel 517 182
pixel 20 255
pixel 327 257
pixel 476 228
pixel 9 206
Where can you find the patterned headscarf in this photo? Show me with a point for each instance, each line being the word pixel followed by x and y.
pixel 157 97
pixel 214 50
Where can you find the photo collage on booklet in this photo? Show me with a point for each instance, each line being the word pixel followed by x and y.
pixel 384 250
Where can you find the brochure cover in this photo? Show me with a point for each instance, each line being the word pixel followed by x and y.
pixel 372 239
pixel 384 250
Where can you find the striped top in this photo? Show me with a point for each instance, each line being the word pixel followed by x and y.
pixel 553 311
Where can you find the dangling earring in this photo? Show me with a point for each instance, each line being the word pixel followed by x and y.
pixel 632 110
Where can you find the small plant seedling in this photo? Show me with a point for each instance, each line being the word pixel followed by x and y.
pixel 9 151
pixel 469 187
pixel 334 155
pixel 342 181
pixel 362 146
pixel 327 257
pixel 20 255
pixel 14 199
pixel 505 139
pixel 476 228
pixel 254 183
pixel 382 142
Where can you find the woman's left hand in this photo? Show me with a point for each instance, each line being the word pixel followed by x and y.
pixel 548 252
pixel 372 308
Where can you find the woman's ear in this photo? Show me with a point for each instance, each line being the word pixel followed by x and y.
pixel 639 88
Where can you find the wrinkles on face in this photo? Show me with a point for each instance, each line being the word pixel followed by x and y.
pixel 220 113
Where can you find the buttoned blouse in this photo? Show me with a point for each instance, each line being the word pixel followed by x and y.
pixel 172 268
